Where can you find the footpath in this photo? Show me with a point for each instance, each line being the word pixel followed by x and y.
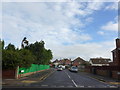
pixel 27 80
pixel 106 80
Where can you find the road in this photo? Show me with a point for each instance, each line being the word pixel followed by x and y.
pixel 67 79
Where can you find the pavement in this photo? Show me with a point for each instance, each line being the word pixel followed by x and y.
pixel 25 81
pixel 102 78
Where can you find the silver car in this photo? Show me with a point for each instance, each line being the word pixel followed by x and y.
pixel 59 68
pixel 74 69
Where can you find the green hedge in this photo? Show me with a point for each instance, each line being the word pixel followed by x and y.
pixel 33 68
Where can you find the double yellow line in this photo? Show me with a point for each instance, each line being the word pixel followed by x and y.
pixel 41 79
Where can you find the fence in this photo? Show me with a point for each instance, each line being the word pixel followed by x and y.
pixel 21 72
pixel 33 68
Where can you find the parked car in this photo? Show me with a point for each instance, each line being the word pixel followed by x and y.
pixel 63 67
pixel 74 69
pixel 59 68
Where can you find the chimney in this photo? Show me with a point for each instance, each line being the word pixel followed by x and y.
pixel 117 43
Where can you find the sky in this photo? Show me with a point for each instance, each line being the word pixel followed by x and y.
pixel 69 29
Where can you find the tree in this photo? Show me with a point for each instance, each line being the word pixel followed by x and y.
pixel 43 55
pixel 31 54
pixel 24 42
pixel 10 59
pixel 10 47
pixel 1 44
pixel 47 56
pixel 26 58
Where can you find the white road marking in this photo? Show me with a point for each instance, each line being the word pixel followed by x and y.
pixel 112 86
pixel 60 86
pixel 80 86
pixel 74 83
pixel 68 75
pixel 71 79
pixel 69 86
pixel 44 85
pixel 90 86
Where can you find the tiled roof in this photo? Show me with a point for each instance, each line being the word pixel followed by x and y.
pixel 79 60
pixel 100 60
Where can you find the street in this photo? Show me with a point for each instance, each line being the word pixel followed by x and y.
pixel 67 79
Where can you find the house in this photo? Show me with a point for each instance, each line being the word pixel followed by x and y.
pixel 61 62
pixel 116 54
pixel 79 62
pixel 65 62
pixel 99 61
pixel 56 63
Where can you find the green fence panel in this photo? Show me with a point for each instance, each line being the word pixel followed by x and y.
pixel 33 68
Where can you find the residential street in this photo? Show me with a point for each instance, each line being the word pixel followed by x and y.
pixel 58 79
pixel 67 79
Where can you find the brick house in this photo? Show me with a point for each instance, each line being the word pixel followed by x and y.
pixel 65 62
pixel 61 62
pixel 55 63
pixel 113 70
pixel 116 54
pixel 78 61
pixel 99 61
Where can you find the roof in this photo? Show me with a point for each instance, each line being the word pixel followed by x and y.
pixel 79 60
pixel 100 60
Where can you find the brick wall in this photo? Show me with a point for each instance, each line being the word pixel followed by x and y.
pixel 102 72
pixel 115 75
pixel 105 72
pixel 87 70
pixel 27 74
pixel 8 74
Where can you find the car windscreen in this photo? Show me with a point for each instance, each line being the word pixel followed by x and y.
pixel 74 67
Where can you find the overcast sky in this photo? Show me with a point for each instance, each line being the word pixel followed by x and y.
pixel 69 29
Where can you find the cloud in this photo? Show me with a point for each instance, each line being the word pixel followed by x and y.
pixel 110 26
pixel 113 6
pixel 56 24
pixel 45 20
pixel 100 32
pixel 89 19
pixel 85 51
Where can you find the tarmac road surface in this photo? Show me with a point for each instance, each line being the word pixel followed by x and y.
pixel 67 79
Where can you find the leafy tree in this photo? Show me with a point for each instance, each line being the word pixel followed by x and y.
pixel 43 55
pixel 1 48
pixel 26 58
pixel 10 47
pixel 10 59
pixel 31 54
pixel 47 56
pixel 1 45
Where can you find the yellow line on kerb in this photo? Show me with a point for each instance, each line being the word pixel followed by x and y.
pixel 28 81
